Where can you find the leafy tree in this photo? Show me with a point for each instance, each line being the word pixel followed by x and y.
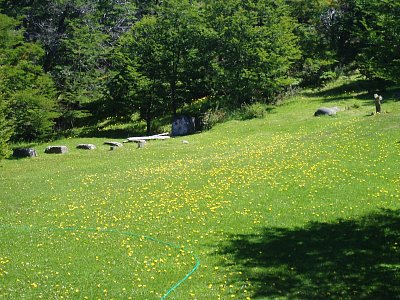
pixel 137 86
pixel 255 49
pixel 356 33
pixel 77 36
pixel 27 92
pixel 146 7
pixel 379 54
pixel 162 62
pixel 81 72
pixel 5 130
pixel 186 56
pixel 316 33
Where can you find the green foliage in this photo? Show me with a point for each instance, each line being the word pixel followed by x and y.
pixel 233 52
pixel 33 115
pixel 138 84
pixel 211 118
pixel 79 73
pixel 114 58
pixel 77 37
pixel 28 93
pixel 362 34
pixel 255 47
pixel 253 111
pixel 159 64
pixel 380 32
pixel 6 131
pixel 315 41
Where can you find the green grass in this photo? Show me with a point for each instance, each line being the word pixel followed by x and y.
pixel 289 206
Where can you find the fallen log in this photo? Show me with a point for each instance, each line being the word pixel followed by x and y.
pixel 162 136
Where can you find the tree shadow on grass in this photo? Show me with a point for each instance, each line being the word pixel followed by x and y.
pixel 365 90
pixel 357 259
pixel 353 86
pixel 111 133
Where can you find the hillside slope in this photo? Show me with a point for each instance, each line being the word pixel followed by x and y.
pixel 291 206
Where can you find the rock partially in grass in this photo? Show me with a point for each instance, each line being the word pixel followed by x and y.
pixel 56 150
pixel 25 152
pixel 183 125
pixel 86 146
pixel 326 111
pixel 114 144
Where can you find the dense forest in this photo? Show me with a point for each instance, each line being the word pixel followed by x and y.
pixel 71 63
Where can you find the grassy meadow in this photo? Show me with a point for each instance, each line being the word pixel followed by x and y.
pixel 290 206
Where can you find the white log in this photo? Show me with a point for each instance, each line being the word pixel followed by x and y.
pixel 162 136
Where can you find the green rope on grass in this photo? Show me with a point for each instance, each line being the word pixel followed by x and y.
pixel 113 231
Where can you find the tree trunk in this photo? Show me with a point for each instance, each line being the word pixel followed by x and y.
pixel 148 125
pixel 378 106
pixel 378 100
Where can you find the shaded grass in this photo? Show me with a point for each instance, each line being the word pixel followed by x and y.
pixel 346 259
pixel 286 177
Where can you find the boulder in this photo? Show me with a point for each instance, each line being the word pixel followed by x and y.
pixel 86 146
pixel 56 150
pixel 183 125
pixel 24 152
pixel 326 111
pixel 115 144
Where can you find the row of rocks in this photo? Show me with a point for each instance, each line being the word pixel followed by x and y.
pixel 31 152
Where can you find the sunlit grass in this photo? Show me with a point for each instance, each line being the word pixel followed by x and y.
pixel 64 218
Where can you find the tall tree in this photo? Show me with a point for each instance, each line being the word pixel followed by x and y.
pixel 81 71
pixel 76 36
pixel 315 31
pixel 379 55
pixel 255 49
pixel 26 90
pixel 185 60
pixel 138 85
pixel 163 62
pixel 6 130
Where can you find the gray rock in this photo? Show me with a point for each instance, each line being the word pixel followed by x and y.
pixel 25 152
pixel 183 125
pixel 185 142
pixel 86 146
pixel 115 144
pixel 326 111
pixel 56 150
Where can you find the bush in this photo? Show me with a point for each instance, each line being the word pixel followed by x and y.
pixel 5 132
pixel 212 117
pixel 253 111
pixel 33 115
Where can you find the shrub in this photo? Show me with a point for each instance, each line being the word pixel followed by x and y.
pixel 5 132
pixel 253 111
pixel 211 117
